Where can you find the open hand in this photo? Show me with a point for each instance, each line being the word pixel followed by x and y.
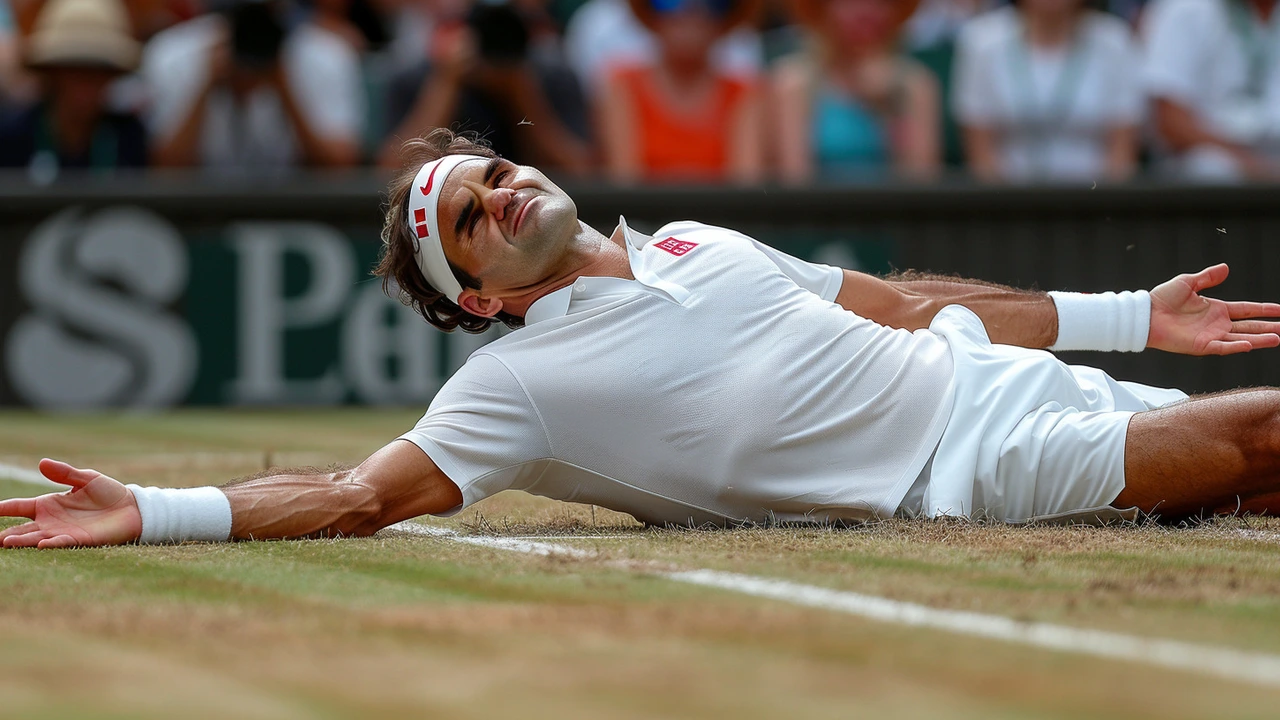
pixel 1183 321
pixel 96 511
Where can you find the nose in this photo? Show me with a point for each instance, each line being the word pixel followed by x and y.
pixel 493 201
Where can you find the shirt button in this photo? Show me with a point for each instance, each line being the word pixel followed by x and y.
pixel 580 287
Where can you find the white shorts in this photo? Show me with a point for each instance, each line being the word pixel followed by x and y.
pixel 1030 438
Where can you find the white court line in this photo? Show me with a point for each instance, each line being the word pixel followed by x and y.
pixel 29 477
pixel 1239 665
pixel 1259 668
pixel 524 546
pixel 575 537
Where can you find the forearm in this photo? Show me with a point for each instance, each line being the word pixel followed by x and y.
pixel 181 149
pixel 297 505
pixel 435 105
pixel 319 151
pixel 1011 316
pixel 1182 130
pixel 1122 152
pixel 551 140
pixel 982 153
pixel 396 483
pixel 1057 321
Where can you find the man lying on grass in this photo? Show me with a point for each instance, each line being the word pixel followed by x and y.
pixel 698 376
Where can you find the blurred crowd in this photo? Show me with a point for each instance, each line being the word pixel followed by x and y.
pixel 718 91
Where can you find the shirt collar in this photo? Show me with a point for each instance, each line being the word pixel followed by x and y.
pixel 556 304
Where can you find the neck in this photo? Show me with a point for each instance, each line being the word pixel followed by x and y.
pixel 1050 29
pixel 606 256
pixel 845 56
pixel 685 72
pixel 591 255
pixel 72 132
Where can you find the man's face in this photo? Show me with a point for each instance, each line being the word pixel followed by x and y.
pixel 861 23
pixel 80 90
pixel 506 225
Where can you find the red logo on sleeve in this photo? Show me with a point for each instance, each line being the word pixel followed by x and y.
pixel 676 247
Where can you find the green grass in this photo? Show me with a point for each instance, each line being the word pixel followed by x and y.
pixel 428 627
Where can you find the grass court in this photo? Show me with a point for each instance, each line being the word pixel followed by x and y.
pixel 418 626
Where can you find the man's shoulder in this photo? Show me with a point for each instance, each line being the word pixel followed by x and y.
pixel 682 229
pixel 1188 18
pixel 311 45
pixel 186 41
pixel 990 30
pixel 681 238
pixel 487 368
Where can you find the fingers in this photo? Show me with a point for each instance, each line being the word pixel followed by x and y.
pixel 1209 277
pixel 30 539
pixel 30 535
pixel 1241 310
pixel 1233 343
pixel 22 529
pixel 1264 340
pixel 58 541
pixel 62 473
pixel 18 507
pixel 1227 347
pixel 1255 327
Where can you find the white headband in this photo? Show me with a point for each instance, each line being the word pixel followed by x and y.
pixel 424 201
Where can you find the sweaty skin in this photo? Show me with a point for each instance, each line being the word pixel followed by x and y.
pixel 1197 455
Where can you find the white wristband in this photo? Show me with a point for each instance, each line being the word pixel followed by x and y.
pixel 172 515
pixel 1106 321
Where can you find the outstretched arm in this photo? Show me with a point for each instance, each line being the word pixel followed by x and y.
pixel 396 483
pixel 1182 320
pixel 1011 316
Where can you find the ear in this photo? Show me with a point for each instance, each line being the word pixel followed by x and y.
pixel 474 303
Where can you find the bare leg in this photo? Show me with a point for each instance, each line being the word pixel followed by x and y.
pixel 1210 454
pixel 1257 505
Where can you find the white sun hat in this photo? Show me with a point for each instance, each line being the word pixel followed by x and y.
pixel 83 32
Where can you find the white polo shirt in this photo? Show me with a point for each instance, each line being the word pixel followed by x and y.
pixel 722 385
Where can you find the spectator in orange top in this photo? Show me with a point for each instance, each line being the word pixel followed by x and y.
pixel 679 119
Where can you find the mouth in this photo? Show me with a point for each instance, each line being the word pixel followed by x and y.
pixel 520 213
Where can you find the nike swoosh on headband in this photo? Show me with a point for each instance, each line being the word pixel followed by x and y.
pixel 426 189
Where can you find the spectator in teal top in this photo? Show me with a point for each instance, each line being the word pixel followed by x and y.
pixel 852 105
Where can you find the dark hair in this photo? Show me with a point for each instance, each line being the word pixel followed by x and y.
pixel 256 34
pixel 397 263
pixel 502 35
